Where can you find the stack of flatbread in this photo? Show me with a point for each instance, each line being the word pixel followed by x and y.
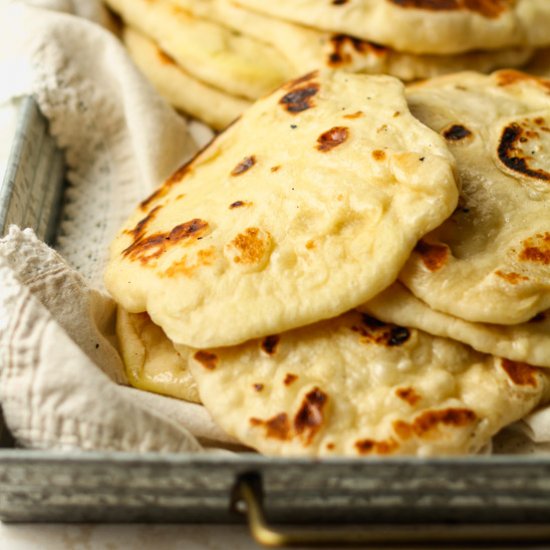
pixel 212 58
pixel 352 268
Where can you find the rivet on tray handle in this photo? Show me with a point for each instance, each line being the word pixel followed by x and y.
pixel 247 500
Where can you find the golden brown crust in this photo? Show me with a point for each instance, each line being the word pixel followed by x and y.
pixel 373 331
pixel 207 359
pixel 434 256
pixel 250 246
pixel 521 374
pixel 512 145
pixel 147 248
pixel 486 8
pixel 409 395
pixel 309 418
pixel 536 249
pixel 277 427
pixel 332 138
pixel 244 165
pixel 270 344
pixel 300 99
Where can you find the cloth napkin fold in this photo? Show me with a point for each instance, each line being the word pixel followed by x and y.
pixel 61 376
pixel 58 366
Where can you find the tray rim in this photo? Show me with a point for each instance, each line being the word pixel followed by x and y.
pixel 9 455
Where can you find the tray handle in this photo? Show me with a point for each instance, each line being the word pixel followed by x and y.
pixel 247 500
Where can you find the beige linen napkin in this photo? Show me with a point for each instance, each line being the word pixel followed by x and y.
pixel 58 367
pixel 60 372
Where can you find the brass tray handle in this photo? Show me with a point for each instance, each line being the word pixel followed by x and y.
pixel 247 500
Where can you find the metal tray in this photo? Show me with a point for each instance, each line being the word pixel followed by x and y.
pixel 497 500
pixel 33 182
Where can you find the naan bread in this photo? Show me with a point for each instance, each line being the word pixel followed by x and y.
pixel 527 342
pixel 306 49
pixel 208 104
pixel 306 207
pixel 490 262
pixel 215 55
pixel 151 362
pixel 355 386
pixel 422 26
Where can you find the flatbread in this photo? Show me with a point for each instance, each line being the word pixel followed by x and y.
pixel 150 360
pixel 422 26
pixel 490 262
pixel 355 386
pixel 306 207
pixel 215 55
pixel 527 342
pixel 206 103
pixel 307 49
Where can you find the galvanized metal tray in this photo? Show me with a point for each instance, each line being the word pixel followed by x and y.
pixel 497 500
pixel 33 182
